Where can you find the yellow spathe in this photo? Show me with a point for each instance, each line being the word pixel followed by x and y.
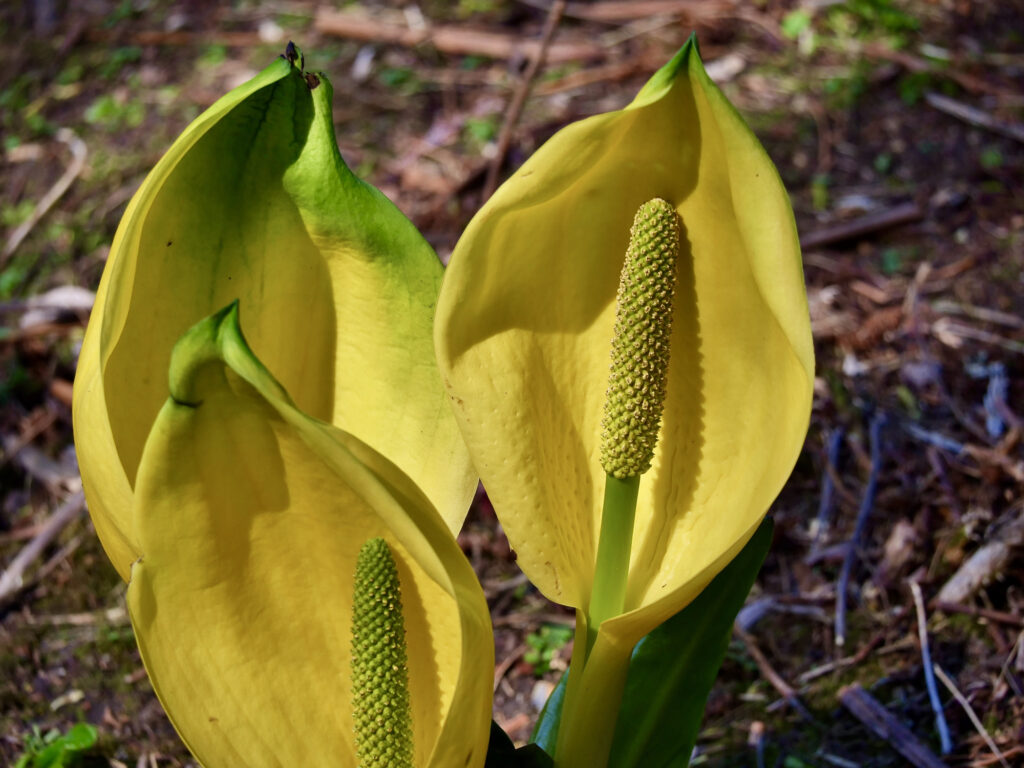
pixel 254 203
pixel 250 516
pixel 523 334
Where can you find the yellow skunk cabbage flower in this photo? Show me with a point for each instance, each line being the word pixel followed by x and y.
pixel 251 517
pixel 253 202
pixel 524 332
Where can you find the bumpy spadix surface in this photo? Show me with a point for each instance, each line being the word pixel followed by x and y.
pixel 640 342
pixel 253 202
pixel 251 516
pixel 380 670
pixel 527 313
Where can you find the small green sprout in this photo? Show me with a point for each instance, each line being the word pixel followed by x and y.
pixel 54 750
pixel 543 646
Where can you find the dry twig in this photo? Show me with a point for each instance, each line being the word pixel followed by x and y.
pixel 828 486
pixel 784 689
pixel 862 226
pixel 502 669
pixel 12 579
pixel 971 715
pixel 515 108
pixel 47 201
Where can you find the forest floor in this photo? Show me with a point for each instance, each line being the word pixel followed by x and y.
pixel 898 129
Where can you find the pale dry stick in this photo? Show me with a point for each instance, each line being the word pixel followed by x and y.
pixel 992 557
pixel 953 333
pixel 983 762
pixel 12 579
pixel 988 315
pixel 839 762
pixel 849 661
pixel 929 674
pixel 638 28
pixel 971 715
pixel 519 98
pixel 117 616
pixel 78 154
pixel 825 506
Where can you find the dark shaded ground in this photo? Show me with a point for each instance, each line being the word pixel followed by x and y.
pixel 918 326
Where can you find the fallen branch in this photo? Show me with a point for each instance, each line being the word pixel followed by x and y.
pixel 12 579
pixel 975 116
pixel 449 38
pixel 866 708
pixel 862 226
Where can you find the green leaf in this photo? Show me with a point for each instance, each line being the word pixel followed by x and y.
pixel 672 671
pixel 674 667
pixel 545 732
pixel 81 737
pixel 795 22
pixel 59 751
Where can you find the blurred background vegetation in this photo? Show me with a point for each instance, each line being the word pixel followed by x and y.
pixel 898 128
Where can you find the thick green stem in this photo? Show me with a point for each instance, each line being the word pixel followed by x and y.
pixel 590 709
pixel 597 673
pixel 608 597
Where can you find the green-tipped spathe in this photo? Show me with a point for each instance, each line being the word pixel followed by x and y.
pixel 254 203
